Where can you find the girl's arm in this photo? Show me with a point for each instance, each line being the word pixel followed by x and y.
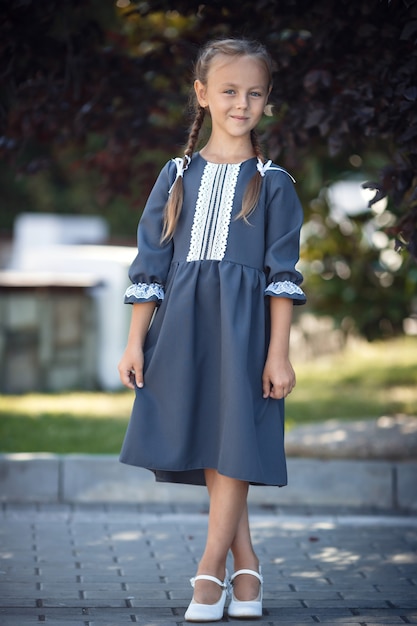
pixel 278 377
pixel 131 363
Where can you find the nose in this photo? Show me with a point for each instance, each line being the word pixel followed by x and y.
pixel 242 102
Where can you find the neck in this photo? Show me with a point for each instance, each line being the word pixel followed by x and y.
pixel 236 152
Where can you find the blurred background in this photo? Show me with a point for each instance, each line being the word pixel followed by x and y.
pixel 94 99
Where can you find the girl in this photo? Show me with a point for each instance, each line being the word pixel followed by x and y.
pixel 218 242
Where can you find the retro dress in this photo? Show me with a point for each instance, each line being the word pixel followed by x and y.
pixel 201 405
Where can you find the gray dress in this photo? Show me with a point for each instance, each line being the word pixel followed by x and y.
pixel 201 405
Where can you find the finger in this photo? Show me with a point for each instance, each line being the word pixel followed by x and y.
pixel 126 379
pixel 278 393
pixel 138 374
pixel 266 387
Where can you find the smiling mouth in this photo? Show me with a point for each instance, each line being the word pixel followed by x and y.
pixel 239 117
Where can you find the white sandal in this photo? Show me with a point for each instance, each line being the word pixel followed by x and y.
pixel 246 608
pixel 198 612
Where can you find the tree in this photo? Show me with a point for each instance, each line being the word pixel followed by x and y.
pixel 91 85
pixel 72 71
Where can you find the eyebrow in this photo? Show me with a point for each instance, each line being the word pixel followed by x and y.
pixel 233 85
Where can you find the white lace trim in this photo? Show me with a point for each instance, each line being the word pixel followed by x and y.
pixel 285 286
pixel 145 291
pixel 265 167
pixel 213 211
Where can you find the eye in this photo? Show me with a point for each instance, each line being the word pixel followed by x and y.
pixel 256 94
pixel 231 92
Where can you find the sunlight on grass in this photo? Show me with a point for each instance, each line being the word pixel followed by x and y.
pixel 82 403
pixel 77 422
pixel 364 381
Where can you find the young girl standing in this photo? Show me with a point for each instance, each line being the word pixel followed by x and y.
pixel 218 243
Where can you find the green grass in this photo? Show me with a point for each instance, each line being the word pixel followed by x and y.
pixel 82 422
pixel 364 381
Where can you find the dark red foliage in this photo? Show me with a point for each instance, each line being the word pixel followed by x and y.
pixel 346 76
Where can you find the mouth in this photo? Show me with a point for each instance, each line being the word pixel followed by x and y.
pixel 239 118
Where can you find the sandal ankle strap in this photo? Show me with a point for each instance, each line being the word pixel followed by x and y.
pixel 221 583
pixel 247 571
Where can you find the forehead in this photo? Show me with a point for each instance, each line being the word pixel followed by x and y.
pixel 247 69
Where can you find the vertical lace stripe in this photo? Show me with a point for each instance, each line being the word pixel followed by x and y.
pixel 213 212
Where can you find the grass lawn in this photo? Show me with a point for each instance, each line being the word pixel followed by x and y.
pixel 365 381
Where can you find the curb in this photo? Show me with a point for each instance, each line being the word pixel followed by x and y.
pixel 75 479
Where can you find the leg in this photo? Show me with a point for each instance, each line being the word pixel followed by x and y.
pixel 227 505
pixel 243 553
pixel 245 587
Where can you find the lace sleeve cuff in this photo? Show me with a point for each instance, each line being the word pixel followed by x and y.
pixel 286 289
pixel 144 292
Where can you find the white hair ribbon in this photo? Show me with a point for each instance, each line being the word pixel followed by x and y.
pixel 264 167
pixel 179 162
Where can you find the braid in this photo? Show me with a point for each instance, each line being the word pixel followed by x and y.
pixel 256 145
pixel 174 204
pixel 253 189
pixel 195 131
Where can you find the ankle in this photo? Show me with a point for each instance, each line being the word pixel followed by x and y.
pixel 247 562
pixel 213 568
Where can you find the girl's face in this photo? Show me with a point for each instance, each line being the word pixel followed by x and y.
pixel 236 93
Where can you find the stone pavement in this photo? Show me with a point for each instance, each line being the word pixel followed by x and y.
pixel 76 479
pixel 97 564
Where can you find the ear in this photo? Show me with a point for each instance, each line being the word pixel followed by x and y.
pixel 200 92
pixel 268 107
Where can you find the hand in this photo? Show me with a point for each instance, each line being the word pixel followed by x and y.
pixel 278 378
pixel 131 367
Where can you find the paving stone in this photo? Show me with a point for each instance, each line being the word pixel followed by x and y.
pixel 351 482
pixel 98 565
pixel 29 478
pixel 407 485
pixel 88 478
pixel 100 480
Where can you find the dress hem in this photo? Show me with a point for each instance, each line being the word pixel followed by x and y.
pixel 161 476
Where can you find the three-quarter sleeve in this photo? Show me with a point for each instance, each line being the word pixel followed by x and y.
pixel 285 217
pixel 149 270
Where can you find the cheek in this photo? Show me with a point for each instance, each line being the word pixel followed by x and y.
pixel 260 108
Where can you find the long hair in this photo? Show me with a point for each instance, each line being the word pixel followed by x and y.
pixel 232 48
